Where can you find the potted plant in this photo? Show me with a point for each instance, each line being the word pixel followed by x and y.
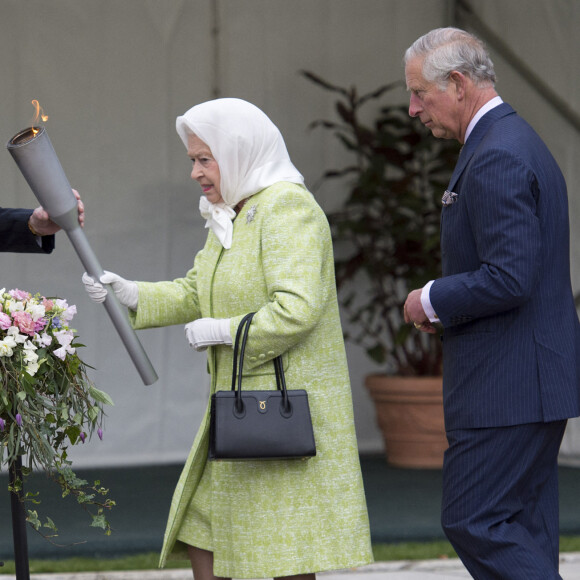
pixel 386 236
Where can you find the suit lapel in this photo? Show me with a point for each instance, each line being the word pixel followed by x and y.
pixel 477 135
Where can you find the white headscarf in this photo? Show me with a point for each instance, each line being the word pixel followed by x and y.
pixel 250 152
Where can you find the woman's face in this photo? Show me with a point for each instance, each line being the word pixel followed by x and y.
pixel 205 170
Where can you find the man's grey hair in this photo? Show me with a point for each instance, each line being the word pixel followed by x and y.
pixel 450 49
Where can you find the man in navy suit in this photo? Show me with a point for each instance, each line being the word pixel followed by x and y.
pixel 511 336
pixel 30 231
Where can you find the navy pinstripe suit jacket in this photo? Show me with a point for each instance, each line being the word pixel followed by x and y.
pixel 512 338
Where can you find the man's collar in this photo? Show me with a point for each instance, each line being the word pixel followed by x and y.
pixel 491 104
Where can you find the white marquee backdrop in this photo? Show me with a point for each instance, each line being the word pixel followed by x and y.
pixel 114 75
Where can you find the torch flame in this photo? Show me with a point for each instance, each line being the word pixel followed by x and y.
pixel 38 115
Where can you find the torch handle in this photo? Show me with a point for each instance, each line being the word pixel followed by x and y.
pixel 116 312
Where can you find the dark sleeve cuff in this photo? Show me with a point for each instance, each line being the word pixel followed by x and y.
pixel 16 237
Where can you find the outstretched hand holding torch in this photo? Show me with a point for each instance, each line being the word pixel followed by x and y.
pixel 40 223
pixel 37 160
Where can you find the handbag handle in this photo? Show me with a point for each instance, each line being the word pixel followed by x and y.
pixel 240 345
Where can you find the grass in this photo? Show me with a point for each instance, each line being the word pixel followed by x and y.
pixel 148 561
pixel 413 551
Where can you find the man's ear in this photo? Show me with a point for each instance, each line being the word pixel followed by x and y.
pixel 459 81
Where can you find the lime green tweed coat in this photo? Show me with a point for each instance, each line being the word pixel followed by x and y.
pixel 273 518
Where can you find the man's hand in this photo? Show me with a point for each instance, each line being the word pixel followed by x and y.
pixel 41 224
pixel 413 311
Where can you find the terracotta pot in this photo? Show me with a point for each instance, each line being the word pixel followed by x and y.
pixel 410 416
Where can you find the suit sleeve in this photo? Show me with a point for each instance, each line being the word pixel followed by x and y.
pixel 500 192
pixel 16 237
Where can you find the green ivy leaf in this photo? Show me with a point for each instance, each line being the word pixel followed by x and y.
pixel 33 520
pixel 50 524
pixel 73 433
pixel 99 522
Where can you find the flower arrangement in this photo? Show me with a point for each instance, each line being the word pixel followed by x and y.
pixel 47 401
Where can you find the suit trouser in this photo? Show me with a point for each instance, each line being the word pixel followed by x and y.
pixel 500 500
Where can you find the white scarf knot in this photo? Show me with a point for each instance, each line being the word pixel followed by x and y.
pixel 219 217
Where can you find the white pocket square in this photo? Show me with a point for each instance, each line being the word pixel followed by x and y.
pixel 449 197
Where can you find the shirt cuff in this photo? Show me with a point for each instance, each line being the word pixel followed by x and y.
pixel 426 302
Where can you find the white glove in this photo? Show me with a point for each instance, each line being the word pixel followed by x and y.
pixel 126 291
pixel 206 332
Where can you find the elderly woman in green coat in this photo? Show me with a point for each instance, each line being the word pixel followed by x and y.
pixel 268 251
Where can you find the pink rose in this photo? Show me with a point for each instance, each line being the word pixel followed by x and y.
pixel 48 304
pixel 24 322
pixel 5 321
pixel 20 294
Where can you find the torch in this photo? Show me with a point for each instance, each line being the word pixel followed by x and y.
pixel 37 160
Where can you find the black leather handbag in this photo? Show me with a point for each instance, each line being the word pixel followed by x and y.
pixel 253 425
